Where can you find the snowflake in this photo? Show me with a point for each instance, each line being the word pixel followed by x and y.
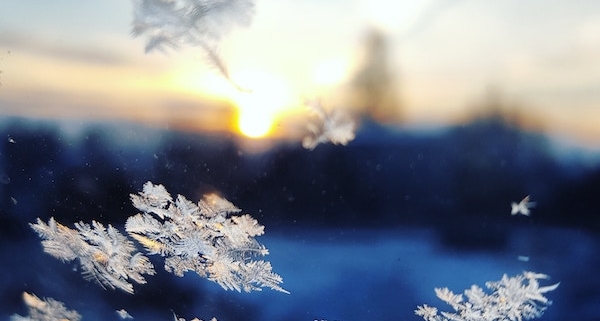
pixel 176 318
pixel 201 23
pixel 105 255
pixel 514 298
pixel 202 238
pixel 45 310
pixel 523 207
pixel 335 127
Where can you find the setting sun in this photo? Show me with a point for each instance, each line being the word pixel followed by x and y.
pixel 254 125
pixel 259 108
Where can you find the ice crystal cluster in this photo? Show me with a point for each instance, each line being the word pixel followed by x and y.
pixel 513 298
pixel 176 318
pixel 203 238
pixel 174 23
pixel 45 310
pixel 334 126
pixel 196 23
pixel 106 256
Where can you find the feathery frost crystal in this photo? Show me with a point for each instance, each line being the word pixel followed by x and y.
pixel 45 310
pixel 523 207
pixel 174 23
pixel 176 318
pixel 106 256
pixel 336 127
pixel 514 298
pixel 202 238
pixel 198 23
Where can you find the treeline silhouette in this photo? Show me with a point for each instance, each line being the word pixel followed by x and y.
pixel 460 180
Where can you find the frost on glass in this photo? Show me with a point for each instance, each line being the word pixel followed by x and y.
pixel 197 23
pixel 176 318
pixel 47 309
pixel 512 298
pixel 333 126
pixel 123 314
pixel 106 256
pixel 523 207
pixel 203 237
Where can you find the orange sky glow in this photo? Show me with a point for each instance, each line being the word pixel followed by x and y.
pixel 444 57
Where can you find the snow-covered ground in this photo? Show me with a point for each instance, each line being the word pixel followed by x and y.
pixel 333 274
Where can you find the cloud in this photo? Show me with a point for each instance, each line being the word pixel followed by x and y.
pixel 18 41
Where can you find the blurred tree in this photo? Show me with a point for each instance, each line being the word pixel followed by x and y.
pixel 95 185
pixel 374 86
pixel 31 158
pixel 198 164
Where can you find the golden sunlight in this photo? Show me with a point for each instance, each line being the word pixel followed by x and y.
pixel 260 107
pixel 330 72
pixel 254 125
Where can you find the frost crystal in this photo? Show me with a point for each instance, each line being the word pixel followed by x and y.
pixel 123 314
pixel 177 22
pixel 335 127
pixel 202 238
pixel 105 255
pixel 523 207
pixel 514 298
pixel 45 310
pixel 176 318
pixel 201 23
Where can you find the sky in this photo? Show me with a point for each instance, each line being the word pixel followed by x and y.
pixel 69 59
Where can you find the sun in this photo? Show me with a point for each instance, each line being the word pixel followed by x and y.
pixel 253 124
pixel 259 108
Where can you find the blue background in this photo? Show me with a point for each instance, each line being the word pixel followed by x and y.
pixel 358 232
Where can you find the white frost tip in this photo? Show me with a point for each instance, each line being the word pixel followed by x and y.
pixel 523 207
